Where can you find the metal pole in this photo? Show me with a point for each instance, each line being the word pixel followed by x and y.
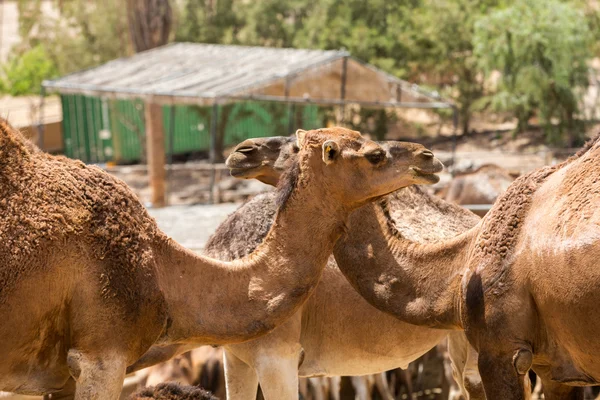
pixel 213 148
pixel 454 138
pixel 290 107
pixel 171 145
pixel 343 88
pixel 40 125
pixel 213 133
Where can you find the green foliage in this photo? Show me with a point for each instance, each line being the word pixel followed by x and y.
pixel 453 46
pixel 541 48
pixel 441 43
pixel 23 74
pixel 83 34
pixel 208 21
pixel 376 31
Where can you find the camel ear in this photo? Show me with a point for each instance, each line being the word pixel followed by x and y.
pixel 331 150
pixel 300 136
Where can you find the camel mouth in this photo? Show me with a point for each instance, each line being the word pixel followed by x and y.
pixel 428 175
pixel 240 172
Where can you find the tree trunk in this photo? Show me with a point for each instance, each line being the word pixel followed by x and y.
pixel 150 23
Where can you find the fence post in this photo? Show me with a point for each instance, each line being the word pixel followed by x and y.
pixel 155 149
pixel 213 148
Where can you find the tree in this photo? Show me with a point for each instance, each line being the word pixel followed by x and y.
pixel 374 31
pixel 83 34
pixel 440 44
pixel 209 21
pixel 541 48
pixel 23 74
pixel 150 23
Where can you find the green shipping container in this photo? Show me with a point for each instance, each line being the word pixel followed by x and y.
pixel 98 130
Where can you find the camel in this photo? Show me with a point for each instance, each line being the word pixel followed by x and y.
pixel 481 186
pixel 202 367
pixel 523 283
pixel 172 391
pixel 117 290
pixel 326 336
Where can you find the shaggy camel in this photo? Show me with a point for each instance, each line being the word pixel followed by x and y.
pixel 115 285
pixel 172 391
pixel 200 367
pixel 326 336
pixel 523 283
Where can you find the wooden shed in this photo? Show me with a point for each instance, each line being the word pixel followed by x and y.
pixel 211 76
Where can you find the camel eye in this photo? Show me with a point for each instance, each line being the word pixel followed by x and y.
pixel 375 157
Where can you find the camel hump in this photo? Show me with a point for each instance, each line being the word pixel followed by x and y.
pixel 502 225
pixel 46 200
pixel 421 217
pixel 14 147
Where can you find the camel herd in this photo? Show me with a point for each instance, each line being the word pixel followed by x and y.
pixel 336 272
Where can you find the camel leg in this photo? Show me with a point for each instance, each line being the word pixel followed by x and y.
pixel 382 386
pixel 471 378
pixel 241 380
pixel 556 391
pixel 318 387
pixel 500 378
pixel 97 378
pixel 361 387
pixel 278 377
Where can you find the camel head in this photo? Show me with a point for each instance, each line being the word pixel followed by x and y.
pixel 352 168
pixel 263 159
pixel 266 158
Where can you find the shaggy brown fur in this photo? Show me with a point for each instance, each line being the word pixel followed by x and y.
pixel 172 391
pixel 252 221
pixel 287 184
pixel 46 199
pixel 404 211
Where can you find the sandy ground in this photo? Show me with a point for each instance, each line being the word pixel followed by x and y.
pixel 191 226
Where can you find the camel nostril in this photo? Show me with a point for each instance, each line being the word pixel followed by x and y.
pixel 245 149
pixel 427 153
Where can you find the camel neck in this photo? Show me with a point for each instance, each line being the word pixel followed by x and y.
pixel 418 283
pixel 215 302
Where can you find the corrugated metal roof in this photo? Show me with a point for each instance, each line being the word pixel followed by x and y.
pixel 210 71
pixel 195 70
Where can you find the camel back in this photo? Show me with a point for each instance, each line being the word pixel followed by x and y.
pixel 49 202
pixel 502 225
pixel 244 229
pixel 416 215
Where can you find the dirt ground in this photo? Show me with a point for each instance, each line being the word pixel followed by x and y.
pixel 191 226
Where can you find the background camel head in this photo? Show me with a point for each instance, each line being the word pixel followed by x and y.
pixel 352 168
pixel 264 159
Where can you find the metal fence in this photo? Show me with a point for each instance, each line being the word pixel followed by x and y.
pixel 100 130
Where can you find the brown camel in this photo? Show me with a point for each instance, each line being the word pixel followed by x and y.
pixel 326 337
pixel 481 186
pixel 523 283
pixel 114 285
